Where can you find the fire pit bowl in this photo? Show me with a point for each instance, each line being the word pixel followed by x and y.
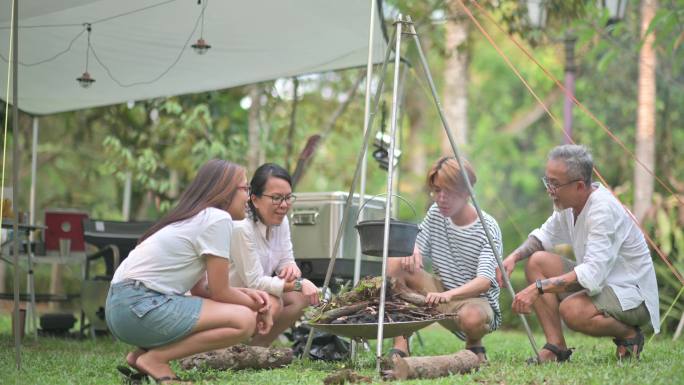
pixel 369 331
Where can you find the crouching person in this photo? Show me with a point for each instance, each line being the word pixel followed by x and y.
pixel 147 306
pixel 453 240
pixel 261 251
pixel 610 289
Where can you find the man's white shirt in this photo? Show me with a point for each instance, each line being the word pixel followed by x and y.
pixel 609 248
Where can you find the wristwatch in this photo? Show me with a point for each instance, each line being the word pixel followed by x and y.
pixel 297 284
pixel 538 283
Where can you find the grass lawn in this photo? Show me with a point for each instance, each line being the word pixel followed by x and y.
pixel 61 361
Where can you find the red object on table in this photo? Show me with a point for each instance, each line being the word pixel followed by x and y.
pixel 64 225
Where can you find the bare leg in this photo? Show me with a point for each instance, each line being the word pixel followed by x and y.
pixel 292 305
pixel 580 314
pixel 219 325
pixel 473 323
pixel 542 265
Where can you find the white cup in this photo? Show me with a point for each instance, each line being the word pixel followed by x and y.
pixel 64 247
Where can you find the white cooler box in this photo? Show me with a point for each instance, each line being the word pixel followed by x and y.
pixel 314 221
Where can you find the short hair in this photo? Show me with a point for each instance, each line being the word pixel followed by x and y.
pixel 446 174
pixel 577 159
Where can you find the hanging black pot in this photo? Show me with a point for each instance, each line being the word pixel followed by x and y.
pixel 402 235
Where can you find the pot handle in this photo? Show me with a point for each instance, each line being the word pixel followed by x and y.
pixel 375 196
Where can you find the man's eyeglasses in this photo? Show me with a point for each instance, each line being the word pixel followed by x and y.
pixel 554 186
pixel 279 199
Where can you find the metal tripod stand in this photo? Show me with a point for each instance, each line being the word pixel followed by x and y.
pixel 404 26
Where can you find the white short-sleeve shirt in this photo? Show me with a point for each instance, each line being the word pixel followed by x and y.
pixel 172 260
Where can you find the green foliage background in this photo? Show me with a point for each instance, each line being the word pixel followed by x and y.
pixel 85 155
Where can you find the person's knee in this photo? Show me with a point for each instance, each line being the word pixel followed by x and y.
pixel 534 264
pixel 245 321
pixel 571 315
pixel 394 268
pixel 543 264
pixel 472 320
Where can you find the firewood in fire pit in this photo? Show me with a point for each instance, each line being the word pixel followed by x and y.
pixel 361 305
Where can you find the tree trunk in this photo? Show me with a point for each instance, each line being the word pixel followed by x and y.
pixel 289 145
pixel 253 140
pixel 315 141
pixel 456 80
pixel 408 368
pixel 240 357
pixel 645 135
pixel 174 184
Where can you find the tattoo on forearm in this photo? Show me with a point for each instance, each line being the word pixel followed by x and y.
pixel 531 245
pixel 562 284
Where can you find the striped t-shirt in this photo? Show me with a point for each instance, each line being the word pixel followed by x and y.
pixel 460 253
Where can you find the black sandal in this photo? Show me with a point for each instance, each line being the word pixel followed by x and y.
pixel 176 379
pixel 131 376
pixel 561 355
pixel 396 352
pixel 630 347
pixel 479 350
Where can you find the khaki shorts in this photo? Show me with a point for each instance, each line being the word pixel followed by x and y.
pixel 607 303
pixel 431 283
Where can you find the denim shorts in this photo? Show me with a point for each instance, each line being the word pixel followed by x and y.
pixel 148 319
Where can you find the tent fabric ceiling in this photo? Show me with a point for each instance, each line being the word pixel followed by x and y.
pixel 141 49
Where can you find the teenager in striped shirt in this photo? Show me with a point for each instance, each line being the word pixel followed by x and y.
pixel 453 241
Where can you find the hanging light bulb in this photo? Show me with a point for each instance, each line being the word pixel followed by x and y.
pixel 86 80
pixel 201 47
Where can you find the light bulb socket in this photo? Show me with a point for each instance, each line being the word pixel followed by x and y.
pixel 201 47
pixel 85 80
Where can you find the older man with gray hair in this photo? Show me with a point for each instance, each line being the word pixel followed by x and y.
pixel 610 289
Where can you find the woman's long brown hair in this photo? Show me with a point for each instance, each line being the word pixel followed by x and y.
pixel 214 186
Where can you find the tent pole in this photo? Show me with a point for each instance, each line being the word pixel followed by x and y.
pixel 366 114
pixel 390 174
pixel 457 155
pixel 355 178
pixel 33 325
pixel 364 161
pixel 34 167
pixel 15 176
pixel 400 119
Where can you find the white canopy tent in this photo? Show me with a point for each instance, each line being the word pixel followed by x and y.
pixel 141 49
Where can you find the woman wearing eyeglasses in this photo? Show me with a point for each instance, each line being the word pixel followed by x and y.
pixel 187 250
pixel 261 249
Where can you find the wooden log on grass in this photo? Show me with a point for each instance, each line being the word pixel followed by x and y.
pixel 408 368
pixel 239 357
